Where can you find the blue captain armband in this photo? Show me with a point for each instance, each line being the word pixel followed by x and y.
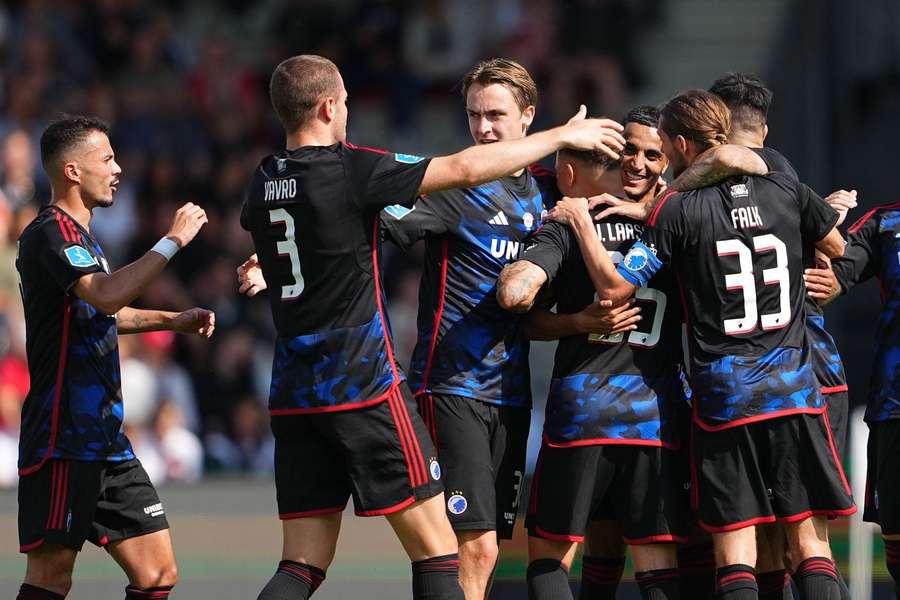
pixel 639 265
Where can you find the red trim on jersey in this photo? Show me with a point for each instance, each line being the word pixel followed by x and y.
pixel 103 541
pixel 311 513
pixel 386 511
pixel 610 442
pixel 29 547
pixel 651 220
pixel 62 227
pixel 655 539
pixel 835 389
pixel 539 170
pixel 366 148
pixel 834 454
pixel 57 393
pixel 279 412
pixel 438 314
pixel 558 537
pixel 377 271
pixel 765 417
pixel 405 445
pixel 862 221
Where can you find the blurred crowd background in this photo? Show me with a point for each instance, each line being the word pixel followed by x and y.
pixel 184 86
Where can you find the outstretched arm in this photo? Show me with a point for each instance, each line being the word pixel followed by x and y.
pixel 599 317
pixel 197 321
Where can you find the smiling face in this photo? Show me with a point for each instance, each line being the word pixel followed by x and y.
pixel 643 160
pixel 94 163
pixel 494 115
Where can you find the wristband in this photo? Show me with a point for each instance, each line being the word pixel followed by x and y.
pixel 166 247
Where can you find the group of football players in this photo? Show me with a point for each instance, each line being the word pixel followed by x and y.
pixel 698 407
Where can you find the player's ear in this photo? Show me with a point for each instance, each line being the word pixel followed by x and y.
pixel 72 172
pixel 681 144
pixel 528 116
pixel 329 109
pixel 765 131
pixel 567 175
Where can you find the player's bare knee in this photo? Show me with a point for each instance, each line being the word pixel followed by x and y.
pixel 161 575
pixel 481 553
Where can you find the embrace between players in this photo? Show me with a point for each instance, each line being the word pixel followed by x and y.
pixel 642 445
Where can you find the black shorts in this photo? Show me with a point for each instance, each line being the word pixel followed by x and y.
pixel 482 448
pixel 642 487
pixel 780 469
pixel 381 455
pixel 69 501
pixel 838 415
pixel 882 480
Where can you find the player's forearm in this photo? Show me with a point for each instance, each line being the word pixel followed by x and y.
pixel 607 281
pixel 519 284
pixel 486 162
pixel 135 320
pixel 111 293
pixel 832 245
pixel 543 325
pixel 719 163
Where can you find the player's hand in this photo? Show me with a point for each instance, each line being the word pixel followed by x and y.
pixel 843 202
pixel 189 219
pixel 601 318
pixel 604 135
pixel 568 210
pixel 197 321
pixel 250 277
pixel 821 285
pixel 639 211
pixel 661 186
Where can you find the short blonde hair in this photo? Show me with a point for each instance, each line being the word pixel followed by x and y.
pixel 505 72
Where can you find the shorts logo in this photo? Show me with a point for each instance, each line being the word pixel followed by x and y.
pixel 79 257
pixel 457 504
pixel 435 469
pixel 154 510
pixel 409 159
pixel 398 211
pixel 636 259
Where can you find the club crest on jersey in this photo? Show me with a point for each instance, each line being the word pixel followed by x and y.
pixel 457 504
pixel 528 220
pixel 739 191
pixel 79 257
pixel 435 469
pixel 398 211
pixel 409 159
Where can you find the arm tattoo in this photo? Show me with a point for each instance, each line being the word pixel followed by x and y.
pixel 519 284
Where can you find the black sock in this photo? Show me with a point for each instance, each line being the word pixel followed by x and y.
pixel 600 577
pixel 31 592
pixel 548 580
pixel 292 581
pixel 154 593
pixel 774 585
pixel 736 582
pixel 437 578
pixel 845 591
pixel 659 584
pixel 892 558
pixel 817 578
pixel 697 571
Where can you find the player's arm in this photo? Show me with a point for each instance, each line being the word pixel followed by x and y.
pixel 599 317
pixel 111 293
pixel 818 222
pixel 861 259
pixel 250 277
pixel 519 284
pixel 487 162
pixel 197 321
pixel 610 285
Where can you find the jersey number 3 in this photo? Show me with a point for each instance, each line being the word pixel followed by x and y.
pixel 288 247
pixel 745 282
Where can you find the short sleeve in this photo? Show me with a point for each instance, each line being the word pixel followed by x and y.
pixel 817 218
pixel 380 178
pixel 405 226
pixel 658 243
pixel 548 248
pixel 777 162
pixel 861 259
pixel 62 253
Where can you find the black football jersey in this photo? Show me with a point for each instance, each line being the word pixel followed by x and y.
pixel 826 359
pixel 73 409
pixel 873 250
pixel 737 250
pixel 313 215
pixel 467 344
pixel 611 389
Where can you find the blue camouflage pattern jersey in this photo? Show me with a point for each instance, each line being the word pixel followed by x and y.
pixel 74 407
pixel 611 389
pixel 467 344
pixel 873 250
pixel 737 251
pixel 826 359
pixel 313 215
